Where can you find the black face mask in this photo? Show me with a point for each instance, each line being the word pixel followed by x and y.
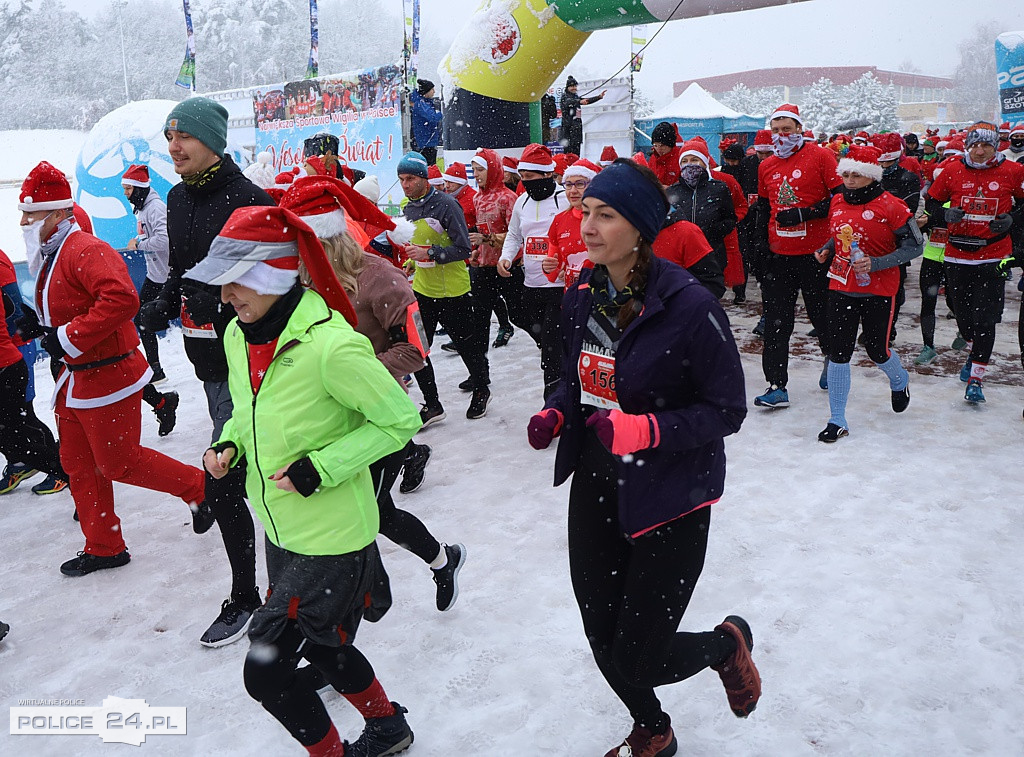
pixel 269 327
pixel 864 194
pixel 540 189
pixel 138 197
pixel 1017 145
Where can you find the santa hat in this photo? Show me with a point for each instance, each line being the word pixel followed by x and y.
pixel 285 178
pixel 787 110
pixel 862 159
pixel 1018 129
pixel 510 164
pixel 45 188
pixel 571 157
pixel 328 205
pixel 582 167
pixel 955 146
pixel 456 172
pixel 862 136
pixel 260 248
pixel 763 141
pixel 608 155
pixel 889 145
pixel 434 176
pixel 1004 127
pixel 560 164
pixel 698 148
pixel 136 176
pixel 640 159
pixel 536 158
pixel 479 160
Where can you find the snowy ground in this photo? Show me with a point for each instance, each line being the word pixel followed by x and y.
pixel 881 577
pixel 22 150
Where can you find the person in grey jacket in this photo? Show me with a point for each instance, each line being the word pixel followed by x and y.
pixel 151 240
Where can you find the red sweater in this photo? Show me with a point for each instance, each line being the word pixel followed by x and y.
pixel 872 225
pixel 566 244
pixel 800 181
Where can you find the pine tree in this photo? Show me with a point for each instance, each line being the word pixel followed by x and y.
pixel 787 196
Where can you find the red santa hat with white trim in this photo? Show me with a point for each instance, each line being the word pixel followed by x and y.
pixel 330 207
pixel 456 173
pixel 45 188
pixel 889 145
pixel 787 110
pixel 862 159
pixel 1018 129
pixel 136 175
pixel 510 164
pixel 582 167
pixel 763 141
pixel 608 155
pixel 698 148
pixel 536 158
pixel 434 177
pixel 260 248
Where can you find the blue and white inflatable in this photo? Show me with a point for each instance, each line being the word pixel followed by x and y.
pixel 1010 75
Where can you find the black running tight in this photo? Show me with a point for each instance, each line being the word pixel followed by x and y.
pixel 272 680
pixel 632 593
pixel 401 527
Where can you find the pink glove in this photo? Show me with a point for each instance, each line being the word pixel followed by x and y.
pixel 624 434
pixel 543 427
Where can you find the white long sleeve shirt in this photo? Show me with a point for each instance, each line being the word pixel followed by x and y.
pixel 528 233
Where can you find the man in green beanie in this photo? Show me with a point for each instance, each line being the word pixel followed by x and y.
pixel 212 187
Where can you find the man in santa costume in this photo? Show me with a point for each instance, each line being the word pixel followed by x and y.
pixel 796 184
pixel 85 303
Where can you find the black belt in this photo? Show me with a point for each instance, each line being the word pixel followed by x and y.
pixel 973 244
pixel 97 363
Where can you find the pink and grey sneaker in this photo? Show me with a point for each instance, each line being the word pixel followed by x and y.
pixel 738 673
pixel 642 743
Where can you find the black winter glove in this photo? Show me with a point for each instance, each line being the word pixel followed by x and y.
pixel 203 307
pixel 28 325
pixel 154 316
pixel 954 215
pixel 304 477
pixel 1001 223
pixel 789 217
pixel 51 343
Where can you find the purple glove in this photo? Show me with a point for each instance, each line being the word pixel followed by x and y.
pixel 543 427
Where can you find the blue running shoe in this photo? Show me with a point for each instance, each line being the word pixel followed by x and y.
pixel 758 330
pixel 974 394
pixel 823 378
pixel 773 397
pixel 965 372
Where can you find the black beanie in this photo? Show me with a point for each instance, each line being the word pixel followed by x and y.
pixel 733 152
pixel 424 86
pixel 664 134
pixel 571 82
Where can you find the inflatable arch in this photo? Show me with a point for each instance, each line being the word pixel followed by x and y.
pixel 510 51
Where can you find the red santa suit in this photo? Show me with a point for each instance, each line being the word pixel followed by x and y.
pixel 734 271
pixel 666 167
pixel 85 293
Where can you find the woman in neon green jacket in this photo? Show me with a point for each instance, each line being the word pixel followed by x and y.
pixel 313 408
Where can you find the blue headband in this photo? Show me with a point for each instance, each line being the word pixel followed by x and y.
pixel 633 195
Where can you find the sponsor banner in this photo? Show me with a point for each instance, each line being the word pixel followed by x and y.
pixel 187 74
pixel 1010 75
pixel 361 108
pixel 639 40
pixel 313 65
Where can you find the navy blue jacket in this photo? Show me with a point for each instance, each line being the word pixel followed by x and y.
pixel 426 122
pixel 678 361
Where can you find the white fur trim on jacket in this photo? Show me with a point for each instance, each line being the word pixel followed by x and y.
pixel 870 170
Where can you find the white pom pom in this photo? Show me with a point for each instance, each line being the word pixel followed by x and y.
pixel 264 157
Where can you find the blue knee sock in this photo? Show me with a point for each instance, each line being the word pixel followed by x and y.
pixel 898 376
pixel 838 391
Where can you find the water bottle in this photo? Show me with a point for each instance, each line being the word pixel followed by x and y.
pixel 863 279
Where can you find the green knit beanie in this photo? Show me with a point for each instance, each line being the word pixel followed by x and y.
pixel 204 119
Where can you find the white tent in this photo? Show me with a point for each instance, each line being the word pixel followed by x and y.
pixel 695 103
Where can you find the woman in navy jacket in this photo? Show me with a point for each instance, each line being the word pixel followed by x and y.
pixel 651 385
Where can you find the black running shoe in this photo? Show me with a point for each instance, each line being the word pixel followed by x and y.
pixel 166 413
pixel 4 630
pixel 900 400
pixel 503 336
pixel 415 465
pixel 382 736
pixel 158 375
pixel 202 517
pixel 431 415
pixel 447 578
pixel 467 385
pixel 478 405
pixel 229 626
pixel 833 433
pixel 86 563
pixel 450 347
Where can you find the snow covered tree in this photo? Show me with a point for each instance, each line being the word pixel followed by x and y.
pixel 822 106
pixel 870 101
pixel 975 91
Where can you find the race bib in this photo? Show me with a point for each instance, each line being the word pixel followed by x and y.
pixel 597 379
pixel 800 230
pixel 190 328
pixel 938 238
pixel 840 269
pixel 425 263
pixel 536 249
pixel 979 209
